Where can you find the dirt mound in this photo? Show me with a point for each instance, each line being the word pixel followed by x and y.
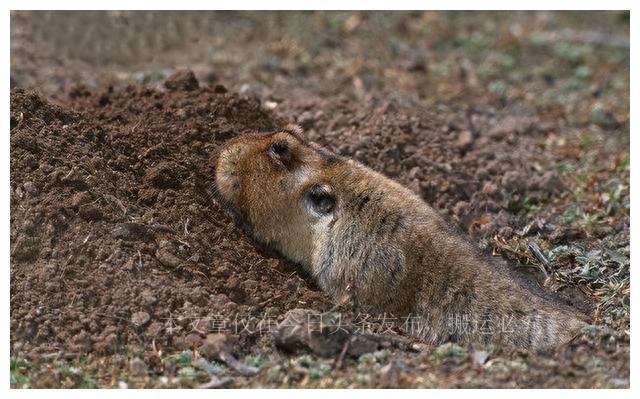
pixel 113 238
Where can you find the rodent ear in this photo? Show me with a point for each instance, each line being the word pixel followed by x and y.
pixel 294 129
pixel 280 151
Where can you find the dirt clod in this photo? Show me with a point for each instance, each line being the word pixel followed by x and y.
pixel 214 345
pixel 90 212
pixel 549 182
pixel 138 368
pixel 139 319
pixel 304 329
pixel 464 141
pixel 182 80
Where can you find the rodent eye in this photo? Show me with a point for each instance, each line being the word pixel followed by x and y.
pixel 320 200
pixel 279 148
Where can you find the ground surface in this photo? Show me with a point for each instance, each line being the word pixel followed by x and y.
pixel 514 125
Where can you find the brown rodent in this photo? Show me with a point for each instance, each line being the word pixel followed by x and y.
pixel 369 240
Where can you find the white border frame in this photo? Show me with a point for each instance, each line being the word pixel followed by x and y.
pixel 312 5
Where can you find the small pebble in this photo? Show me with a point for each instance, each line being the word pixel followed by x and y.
pixel 139 319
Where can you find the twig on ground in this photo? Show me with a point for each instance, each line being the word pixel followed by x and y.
pixel 216 382
pixel 337 365
pixel 238 366
pixel 537 252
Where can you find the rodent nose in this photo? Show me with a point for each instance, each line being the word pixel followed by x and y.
pixel 228 157
pixel 225 171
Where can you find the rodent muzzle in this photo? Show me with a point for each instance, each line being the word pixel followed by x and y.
pixel 226 170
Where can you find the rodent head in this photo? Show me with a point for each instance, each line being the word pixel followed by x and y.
pixel 278 184
pixel 346 225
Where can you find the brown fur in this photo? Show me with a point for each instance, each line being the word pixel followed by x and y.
pixel 381 247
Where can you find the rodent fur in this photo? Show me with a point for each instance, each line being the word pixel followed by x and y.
pixel 381 247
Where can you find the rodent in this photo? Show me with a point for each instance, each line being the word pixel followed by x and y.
pixel 367 239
